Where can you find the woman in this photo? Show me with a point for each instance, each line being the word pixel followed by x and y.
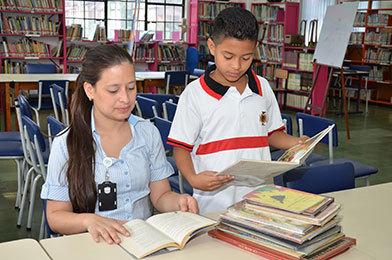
pixel 109 165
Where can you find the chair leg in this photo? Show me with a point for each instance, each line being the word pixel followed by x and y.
pixel 20 179
pixel 23 203
pixel 180 182
pixel 367 181
pixel 42 229
pixel 32 202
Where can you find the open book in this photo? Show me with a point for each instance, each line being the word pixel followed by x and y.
pixel 255 172
pixel 168 231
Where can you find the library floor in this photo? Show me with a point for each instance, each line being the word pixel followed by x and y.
pixel 371 135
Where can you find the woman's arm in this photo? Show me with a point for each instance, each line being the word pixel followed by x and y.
pixel 62 220
pixel 165 200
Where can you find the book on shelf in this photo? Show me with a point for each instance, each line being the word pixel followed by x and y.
pixel 100 34
pixel 166 232
pixel 294 81
pixel 147 36
pixel 256 172
pixel 74 32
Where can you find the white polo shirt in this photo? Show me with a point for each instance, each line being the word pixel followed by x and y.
pixel 220 126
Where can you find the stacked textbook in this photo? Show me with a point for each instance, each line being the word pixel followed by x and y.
pixel 281 223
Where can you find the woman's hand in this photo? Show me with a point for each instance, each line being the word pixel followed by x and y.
pixel 187 203
pixel 106 228
pixel 209 181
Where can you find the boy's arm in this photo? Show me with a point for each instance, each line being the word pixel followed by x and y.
pixel 206 181
pixel 281 140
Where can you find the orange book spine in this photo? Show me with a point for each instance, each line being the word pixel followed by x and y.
pixel 250 246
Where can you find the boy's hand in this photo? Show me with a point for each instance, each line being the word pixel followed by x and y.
pixel 209 181
pixel 302 139
pixel 187 203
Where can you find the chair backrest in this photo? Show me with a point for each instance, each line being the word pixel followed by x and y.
pixel 175 78
pixel 160 98
pixel 59 101
pixel 33 132
pixel 169 110
pixel 311 125
pixel 25 108
pixel 321 179
pixel 198 72
pixel 192 59
pixel 148 107
pixel 288 123
pixel 163 126
pixel 38 68
pixel 54 127
pixel 45 86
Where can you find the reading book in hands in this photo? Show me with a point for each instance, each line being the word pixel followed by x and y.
pixel 255 172
pixel 163 231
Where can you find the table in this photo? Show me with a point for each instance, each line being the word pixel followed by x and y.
pixel 366 216
pixel 22 249
pixel 145 80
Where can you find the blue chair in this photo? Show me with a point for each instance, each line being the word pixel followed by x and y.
pixel 147 108
pixel 310 125
pixel 169 110
pixel 192 59
pixel 288 123
pixel 38 152
pixel 322 178
pixel 59 102
pixel 40 68
pixel 54 128
pixel 175 79
pixel 10 136
pixel 177 182
pixel 164 128
pixel 160 98
pixel 198 72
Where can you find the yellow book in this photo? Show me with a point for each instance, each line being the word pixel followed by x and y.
pixel 169 231
pixel 284 198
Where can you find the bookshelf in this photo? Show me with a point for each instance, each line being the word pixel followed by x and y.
pixel 277 21
pixel 32 32
pixel 371 44
pixel 201 16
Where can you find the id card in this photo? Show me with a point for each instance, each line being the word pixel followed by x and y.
pixel 107 196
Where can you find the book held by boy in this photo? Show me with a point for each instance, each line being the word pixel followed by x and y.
pixel 166 231
pixel 256 172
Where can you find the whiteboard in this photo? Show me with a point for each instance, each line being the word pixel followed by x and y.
pixel 335 34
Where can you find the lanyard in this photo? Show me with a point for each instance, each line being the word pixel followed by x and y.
pixel 107 162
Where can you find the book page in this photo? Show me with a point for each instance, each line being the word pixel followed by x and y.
pixel 179 225
pixel 144 238
pixel 252 173
pixel 300 152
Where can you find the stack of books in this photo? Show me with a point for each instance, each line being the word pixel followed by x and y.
pixel 281 223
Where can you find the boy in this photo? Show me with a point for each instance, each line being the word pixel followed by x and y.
pixel 228 114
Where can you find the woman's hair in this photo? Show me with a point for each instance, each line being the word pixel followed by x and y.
pixel 80 142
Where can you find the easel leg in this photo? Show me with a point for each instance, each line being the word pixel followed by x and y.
pixel 345 104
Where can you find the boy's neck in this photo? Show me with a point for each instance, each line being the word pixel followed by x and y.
pixel 240 84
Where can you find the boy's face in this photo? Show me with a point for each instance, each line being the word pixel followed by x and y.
pixel 233 58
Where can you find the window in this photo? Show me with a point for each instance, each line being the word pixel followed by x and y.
pixel 163 17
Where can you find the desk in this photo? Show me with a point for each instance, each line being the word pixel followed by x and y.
pixel 22 249
pixel 363 219
pixel 145 79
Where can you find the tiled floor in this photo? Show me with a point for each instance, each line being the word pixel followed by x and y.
pixel 371 142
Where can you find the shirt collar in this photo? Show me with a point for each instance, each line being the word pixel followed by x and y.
pixel 217 90
pixel 132 120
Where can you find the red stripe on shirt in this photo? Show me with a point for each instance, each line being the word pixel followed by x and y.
pixel 257 83
pixel 233 144
pixel 176 143
pixel 208 90
pixel 282 128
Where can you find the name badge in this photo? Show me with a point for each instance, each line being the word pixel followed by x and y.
pixel 107 196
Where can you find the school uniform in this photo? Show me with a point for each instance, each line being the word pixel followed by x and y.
pixel 141 161
pixel 220 126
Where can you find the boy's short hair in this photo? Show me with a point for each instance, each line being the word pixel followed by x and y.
pixel 235 22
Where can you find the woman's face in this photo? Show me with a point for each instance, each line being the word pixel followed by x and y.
pixel 115 93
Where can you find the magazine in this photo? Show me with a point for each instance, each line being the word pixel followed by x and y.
pixel 256 172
